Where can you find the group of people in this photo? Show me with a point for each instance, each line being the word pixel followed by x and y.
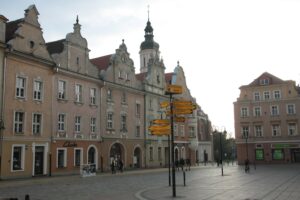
pixel 181 163
pixel 116 164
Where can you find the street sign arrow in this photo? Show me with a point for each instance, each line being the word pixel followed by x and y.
pixel 174 89
pixel 164 104
pixel 179 119
pixel 160 128
pixel 161 121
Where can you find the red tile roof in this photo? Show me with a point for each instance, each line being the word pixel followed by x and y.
pixel 168 77
pixel 102 62
pixel 141 76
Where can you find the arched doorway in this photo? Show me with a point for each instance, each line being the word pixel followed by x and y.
pixel 137 157
pixel 91 155
pixel 116 152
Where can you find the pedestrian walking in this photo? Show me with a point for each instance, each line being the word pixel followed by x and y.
pixel 120 165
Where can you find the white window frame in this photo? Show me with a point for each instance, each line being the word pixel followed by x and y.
pixel 138 110
pixel 257 111
pixel 18 123
pixel 123 98
pixel 109 95
pixel 36 124
pixel 276 129
pixel 244 112
pixel 151 153
pixel 109 120
pixel 256 96
pixel 277 94
pixel 62 89
pixel 245 130
pixel 293 109
pixel 78 93
pixel 181 130
pixel 93 125
pixel 37 90
pixel 175 130
pixel 61 123
pixel 22 167
pixel 292 129
pixel 159 154
pixel 191 131
pixel 77 124
pixel 137 131
pixel 81 156
pixel 21 87
pixel 267 94
pixel 274 110
pixel 65 157
pixel 93 96
pixel 123 122
pixel 258 130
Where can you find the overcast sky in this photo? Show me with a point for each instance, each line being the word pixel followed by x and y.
pixel 221 44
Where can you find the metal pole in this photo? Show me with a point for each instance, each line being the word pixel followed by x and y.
pixel 172 148
pixel 247 147
pixel 50 164
pixel 221 153
pixel 169 160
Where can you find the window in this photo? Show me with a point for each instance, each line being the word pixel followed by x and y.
pixel 151 153
pixel 110 120
pixel 157 79
pixel 61 89
pixel 37 90
pixel 36 124
pixel 192 131
pixel 93 96
pixel 61 158
pixel 181 130
pixel 93 125
pixel 159 154
pixel 127 77
pixel 120 74
pixel 19 122
pixel 20 87
pixel 150 104
pixel 78 93
pixel 138 110
pixel 244 112
pixel 276 94
pixel 123 123
pixel 18 157
pixel 266 95
pixel 277 154
pixel 123 98
pixel 257 111
pixel 256 96
pixel 264 81
pixel 61 122
pixel 291 109
pixel 77 124
pixel 78 157
pixel 292 129
pixel 245 131
pixel 258 131
pixel 175 130
pixel 109 95
pixel 259 154
pixel 137 131
pixel 275 130
pixel 274 110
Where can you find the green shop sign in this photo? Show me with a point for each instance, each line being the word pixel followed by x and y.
pixel 259 154
pixel 280 146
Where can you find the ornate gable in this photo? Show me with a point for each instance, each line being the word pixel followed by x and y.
pixel 27 36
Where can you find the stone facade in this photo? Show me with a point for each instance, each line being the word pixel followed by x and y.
pixel 61 110
pixel 266 121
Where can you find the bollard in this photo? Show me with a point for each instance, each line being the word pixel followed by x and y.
pixel 27 197
pixel 184 178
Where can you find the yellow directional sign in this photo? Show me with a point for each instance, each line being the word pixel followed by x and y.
pixel 164 104
pixel 182 103
pixel 174 89
pixel 180 112
pixel 161 121
pixel 185 107
pixel 160 133
pixel 179 119
pixel 160 128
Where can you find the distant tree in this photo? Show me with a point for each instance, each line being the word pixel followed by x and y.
pixel 228 146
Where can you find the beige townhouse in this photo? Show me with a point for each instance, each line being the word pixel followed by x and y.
pixel 266 115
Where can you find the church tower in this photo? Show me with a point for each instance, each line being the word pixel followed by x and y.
pixel 149 48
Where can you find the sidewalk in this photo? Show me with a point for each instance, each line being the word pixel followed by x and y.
pixel 265 183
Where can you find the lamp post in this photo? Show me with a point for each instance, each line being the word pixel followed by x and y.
pixel 220 131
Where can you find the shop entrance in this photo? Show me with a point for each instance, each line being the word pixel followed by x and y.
pixel 295 153
pixel 39 160
pixel 116 152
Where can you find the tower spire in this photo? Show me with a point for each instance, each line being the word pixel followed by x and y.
pixel 148 13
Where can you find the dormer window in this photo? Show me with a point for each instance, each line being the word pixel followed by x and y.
pixel 264 81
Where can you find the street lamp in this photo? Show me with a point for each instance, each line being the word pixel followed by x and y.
pixel 220 131
pixel 246 136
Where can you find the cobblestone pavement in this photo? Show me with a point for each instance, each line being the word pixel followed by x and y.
pixel 205 182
